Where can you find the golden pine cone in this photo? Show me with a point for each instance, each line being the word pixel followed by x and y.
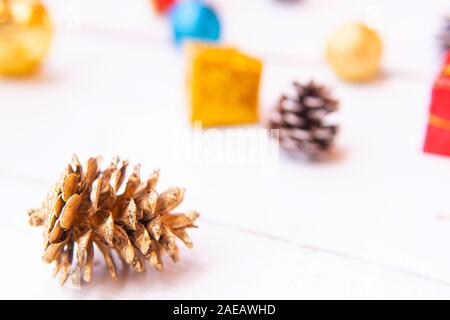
pixel 85 208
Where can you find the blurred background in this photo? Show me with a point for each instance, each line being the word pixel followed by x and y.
pixel 370 223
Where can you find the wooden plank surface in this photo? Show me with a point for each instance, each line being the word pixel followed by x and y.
pixel 373 223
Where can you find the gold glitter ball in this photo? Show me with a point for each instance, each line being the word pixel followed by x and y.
pixel 354 51
pixel 25 36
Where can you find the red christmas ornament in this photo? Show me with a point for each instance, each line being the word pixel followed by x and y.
pixel 438 132
pixel 162 6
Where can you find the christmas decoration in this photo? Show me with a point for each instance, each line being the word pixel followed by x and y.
pixel 438 132
pixel 288 1
pixel 223 85
pixel 86 208
pixel 444 37
pixel 162 6
pixel 299 119
pixel 25 36
pixel 193 19
pixel 354 51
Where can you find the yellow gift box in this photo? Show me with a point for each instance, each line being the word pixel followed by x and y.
pixel 223 85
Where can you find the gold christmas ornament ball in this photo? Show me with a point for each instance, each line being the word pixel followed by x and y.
pixel 25 36
pixel 354 51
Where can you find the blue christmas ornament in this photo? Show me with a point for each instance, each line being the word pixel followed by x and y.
pixel 194 20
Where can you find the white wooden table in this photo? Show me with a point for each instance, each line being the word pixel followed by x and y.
pixel 373 223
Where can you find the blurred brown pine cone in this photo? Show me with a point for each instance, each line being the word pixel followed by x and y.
pixel 86 208
pixel 299 117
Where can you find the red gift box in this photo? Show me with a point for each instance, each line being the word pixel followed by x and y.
pixel 438 132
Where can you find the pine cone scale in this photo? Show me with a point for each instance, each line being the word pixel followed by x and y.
pixel 444 36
